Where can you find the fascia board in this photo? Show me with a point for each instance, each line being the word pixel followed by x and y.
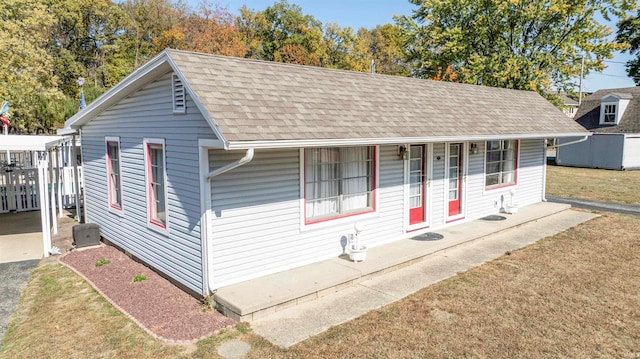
pixel 240 145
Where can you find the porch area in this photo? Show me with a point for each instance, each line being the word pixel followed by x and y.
pixel 268 297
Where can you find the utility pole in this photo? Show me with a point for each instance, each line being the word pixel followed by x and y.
pixel 580 89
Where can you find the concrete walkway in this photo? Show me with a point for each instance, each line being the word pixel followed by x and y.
pixel 593 205
pixel 293 325
pixel 290 306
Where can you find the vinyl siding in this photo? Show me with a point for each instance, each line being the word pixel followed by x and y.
pixel 256 220
pixel 148 113
pixel 631 159
pixel 256 225
pixel 528 188
pixel 598 151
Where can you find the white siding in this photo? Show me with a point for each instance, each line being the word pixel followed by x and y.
pixel 256 215
pixel 530 181
pixel 256 226
pixel 631 158
pixel 148 113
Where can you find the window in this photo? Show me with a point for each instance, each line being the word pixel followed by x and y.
pixel 179 100
pixel 156 183
pixel 501 163
pixel 113 173
pixel 609 114
pixel 338 182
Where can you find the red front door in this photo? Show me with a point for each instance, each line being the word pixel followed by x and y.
pixel 417 167
pixel 455 178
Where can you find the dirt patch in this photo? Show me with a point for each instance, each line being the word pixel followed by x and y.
pixel 154 303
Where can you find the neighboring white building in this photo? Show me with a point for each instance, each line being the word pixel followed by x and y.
pixel 569 105
pixel 613 116
pixel 215 170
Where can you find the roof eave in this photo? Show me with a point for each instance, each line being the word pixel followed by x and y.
pixel 243 145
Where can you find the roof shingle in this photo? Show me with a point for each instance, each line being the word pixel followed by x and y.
pixel 588 114
pixel 251 100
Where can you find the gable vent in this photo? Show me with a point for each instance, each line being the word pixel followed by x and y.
pixel 179 98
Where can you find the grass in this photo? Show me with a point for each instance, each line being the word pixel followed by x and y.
pixel 571 295
pixel 102 262
pixel 139 278
pixel 605 185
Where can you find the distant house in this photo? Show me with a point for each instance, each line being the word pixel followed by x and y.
pixel 613 116
pixel 569 105
pixel 215 170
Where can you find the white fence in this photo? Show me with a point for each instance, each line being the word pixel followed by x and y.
pixel 19 189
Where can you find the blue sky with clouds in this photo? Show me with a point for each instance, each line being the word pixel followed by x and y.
pixel 369 13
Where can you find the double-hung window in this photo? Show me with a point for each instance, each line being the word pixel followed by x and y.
pixel 339 181
pixel 501 163
pixel 114 178
pixel 156 183
pixel 609 113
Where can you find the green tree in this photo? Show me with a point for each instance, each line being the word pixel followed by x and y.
pixel 27 79
pixel 282 33
pixel 629 32
pixel 519 44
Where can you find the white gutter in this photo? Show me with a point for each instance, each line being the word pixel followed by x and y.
pixel 571 143
pixel 242 145
pixel 247 158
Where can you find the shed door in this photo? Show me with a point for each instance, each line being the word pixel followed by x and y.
pixel 417 190
pixel 455 179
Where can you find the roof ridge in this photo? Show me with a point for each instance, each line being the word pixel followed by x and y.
pixel 344 71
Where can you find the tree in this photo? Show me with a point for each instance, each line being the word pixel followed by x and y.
pixel 629 32
pixel 281 33
pixel 211 30
pixel 27 79
pixel 383 44
pixel 518 44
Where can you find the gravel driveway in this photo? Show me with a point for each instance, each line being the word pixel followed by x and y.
pixel 13 279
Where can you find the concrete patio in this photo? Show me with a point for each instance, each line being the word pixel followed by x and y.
pixel 259 299
pixel 20 236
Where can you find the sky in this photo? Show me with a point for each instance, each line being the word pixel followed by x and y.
pixel 369 13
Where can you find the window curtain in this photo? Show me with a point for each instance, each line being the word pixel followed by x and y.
pixel 355 170
pixel 322 181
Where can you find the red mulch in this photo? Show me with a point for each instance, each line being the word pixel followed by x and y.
pixel 157 305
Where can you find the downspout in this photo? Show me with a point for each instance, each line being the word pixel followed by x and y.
pixel 244 160
pixel 247 158
pixel 586 137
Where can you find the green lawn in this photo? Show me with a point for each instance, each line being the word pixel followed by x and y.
pixel 605 185
pixel 571 295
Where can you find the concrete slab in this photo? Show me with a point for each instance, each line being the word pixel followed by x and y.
pixel 253 299
pixel 279 289
pixel 20 236
pixel 292 325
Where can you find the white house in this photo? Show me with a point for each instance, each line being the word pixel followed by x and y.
pixel 215 170
pixel 613 116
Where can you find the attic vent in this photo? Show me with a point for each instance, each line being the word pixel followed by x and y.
pixel 179 98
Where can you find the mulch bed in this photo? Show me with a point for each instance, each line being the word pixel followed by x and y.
pixel 162 309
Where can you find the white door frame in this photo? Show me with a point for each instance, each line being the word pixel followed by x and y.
pixel 428 178
pixel 464 183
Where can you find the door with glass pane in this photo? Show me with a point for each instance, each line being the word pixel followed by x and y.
pixel 417 199
pixel 455 179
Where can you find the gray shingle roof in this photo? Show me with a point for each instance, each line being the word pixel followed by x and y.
pixel 588 114
pixel 251 100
